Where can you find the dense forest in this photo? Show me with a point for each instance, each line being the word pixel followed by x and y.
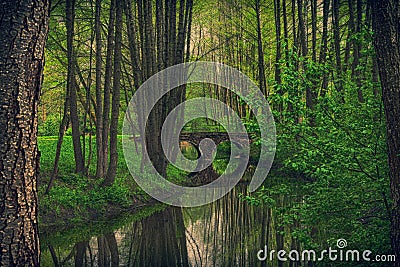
pixel 328 69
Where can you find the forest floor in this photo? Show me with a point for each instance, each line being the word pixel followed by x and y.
pixel 76 199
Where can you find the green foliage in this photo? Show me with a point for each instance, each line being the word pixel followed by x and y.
pixel 50 126
pixel 203 125
pixel 220 165
pixel 77 193
pixel 339 163
pixel 176 175
pixel 330 179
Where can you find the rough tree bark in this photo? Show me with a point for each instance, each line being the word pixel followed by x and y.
pixel 23 32
pixel 386 26
pixel 260 56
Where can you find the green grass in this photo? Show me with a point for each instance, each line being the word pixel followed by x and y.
pixel 48 144
pixel 76 196
pixel 47 147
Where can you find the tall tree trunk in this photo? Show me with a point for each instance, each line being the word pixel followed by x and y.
pixel 350 35
pixel 171 30
pixel 160 34
pixel 104 252
pixel 356 73
pixel 181 33
pixel 133 46
pixel 189 11
pixel 302 29
pixel 71 84
pixel 23 32
pixel 324 44
pixel 107 83
pixel 304 54
pixel 278 52
pixel 311 91
pixel 260 56
pixel 336 40
pixel 294 29
pixel 314 29
pixel 80 252
pixel 99 99
pixel 88 106
pixel 116 96
pixel 149 42
pixel 386 26
pixel 113 247
pixel 285 30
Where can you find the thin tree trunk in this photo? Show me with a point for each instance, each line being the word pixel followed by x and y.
pixel 181 33
pixel 99 99
pixel 356 73
pixel 160 34
pixel 116 96
pixel 149 44
pixel 336 40
pixel 172 42
pixel 295 39
pixel 189 10
pixel 324 44
pixel 107 84
pixel 104 253
pixel 87 106
pixel 351 31
pixel 302 29
pixel 285 31
pixel 71 84
pixel 80 253
pixel 61 132
pixel 54 256
pixel 304 54
pixel 113 247
pixel 133 47
pixel 261 69
pixel 23 33
pixel 314 29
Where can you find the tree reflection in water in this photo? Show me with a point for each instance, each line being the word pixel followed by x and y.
pixel 227 232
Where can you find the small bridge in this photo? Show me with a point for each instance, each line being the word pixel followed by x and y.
pixel 239 139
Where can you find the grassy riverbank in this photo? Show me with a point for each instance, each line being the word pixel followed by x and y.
pixel 75 198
